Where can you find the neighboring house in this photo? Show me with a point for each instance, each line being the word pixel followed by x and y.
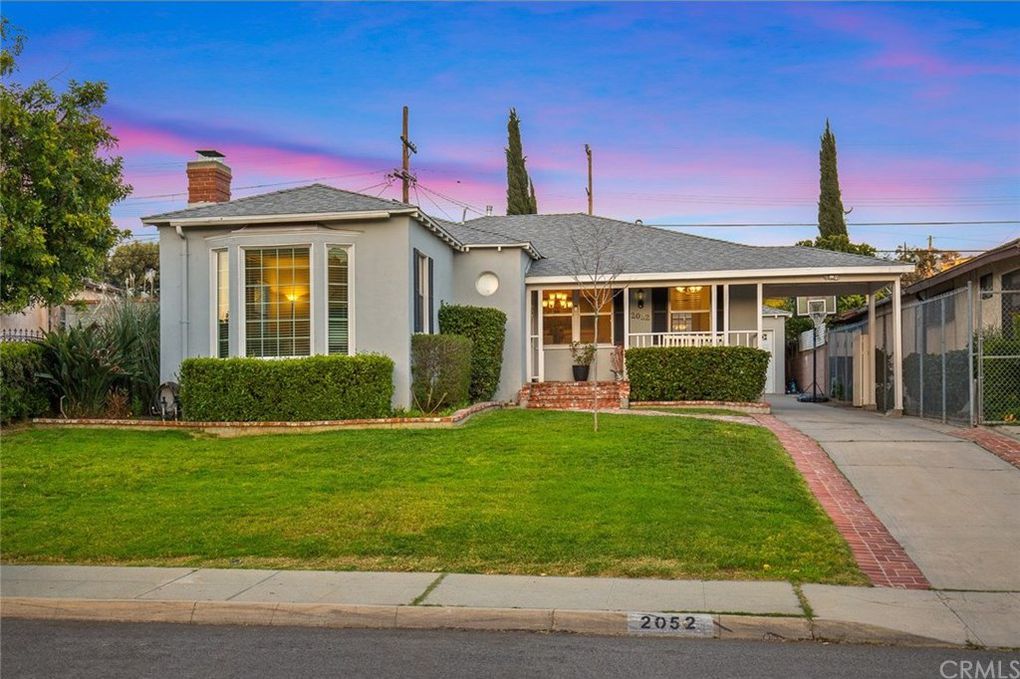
pixel 32 322
pixel 317 270
pixel 994 281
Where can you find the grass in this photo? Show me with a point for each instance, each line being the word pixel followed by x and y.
pixel 510 492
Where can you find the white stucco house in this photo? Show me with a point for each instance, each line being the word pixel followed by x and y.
pixel 319 270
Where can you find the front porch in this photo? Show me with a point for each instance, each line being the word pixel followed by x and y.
pixel 686 312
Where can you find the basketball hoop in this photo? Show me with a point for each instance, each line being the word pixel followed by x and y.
pixel 815 308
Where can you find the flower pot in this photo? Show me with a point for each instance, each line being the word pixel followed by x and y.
pixel 581 373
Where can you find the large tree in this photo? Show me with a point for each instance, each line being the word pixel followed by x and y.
pixel 134 267
pixel 520 192
pixel 831 218
pixel 58 180
pixel 927 261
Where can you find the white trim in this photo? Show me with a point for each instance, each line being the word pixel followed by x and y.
pixel 526 246
pixel 214 297
pixel 897 346
pixel 271 219
pixel 760 320
pixel 726 310
pixel 820 272
pixel 712 303
pixel 283 232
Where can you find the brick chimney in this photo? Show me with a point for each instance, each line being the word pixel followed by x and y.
pixel 208 178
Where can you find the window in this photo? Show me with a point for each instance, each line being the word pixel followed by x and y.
pixel 277 303
pixel 557 316
pixel 222 329
pixel 985 284
pixel 567 316
pixel 338 300
pixel 586 311
pixel 690 308
pixel 422 292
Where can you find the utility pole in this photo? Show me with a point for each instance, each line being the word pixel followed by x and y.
pixel 407 148
pixel 591 204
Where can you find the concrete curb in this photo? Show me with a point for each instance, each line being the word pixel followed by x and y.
pixel 340 616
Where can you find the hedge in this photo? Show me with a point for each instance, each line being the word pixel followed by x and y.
pixel 440 371
pixel 697 373
pixel 22 394
pixel 286 390
pixel 486 328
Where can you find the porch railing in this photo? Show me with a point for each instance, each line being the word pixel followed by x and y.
pixel 738 338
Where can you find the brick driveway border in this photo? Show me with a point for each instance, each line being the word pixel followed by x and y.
pixel 876 551
pixel 1000 445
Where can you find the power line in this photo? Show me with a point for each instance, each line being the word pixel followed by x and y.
pixel 262 186
pixel 804 224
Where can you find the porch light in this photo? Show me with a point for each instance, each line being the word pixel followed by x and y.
pixel 641 298
pixel 689 288
pixel 557 301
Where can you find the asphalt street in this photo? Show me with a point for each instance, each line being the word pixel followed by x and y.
pixel 86 649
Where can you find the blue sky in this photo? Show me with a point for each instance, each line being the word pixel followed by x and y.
pixel 697 113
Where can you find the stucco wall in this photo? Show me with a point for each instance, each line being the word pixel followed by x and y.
pixel 510 266
pixel 381 287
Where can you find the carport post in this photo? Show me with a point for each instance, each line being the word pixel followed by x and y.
pixel 760 328
pixel 871 402
pixel 897 322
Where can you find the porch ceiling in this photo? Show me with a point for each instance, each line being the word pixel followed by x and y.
pixel 820 289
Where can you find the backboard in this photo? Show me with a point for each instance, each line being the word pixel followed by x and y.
pixel 816 306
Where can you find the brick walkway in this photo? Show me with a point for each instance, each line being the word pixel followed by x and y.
pixel 995 443
pixel 877 552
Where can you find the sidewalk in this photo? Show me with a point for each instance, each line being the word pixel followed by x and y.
pixel 738 609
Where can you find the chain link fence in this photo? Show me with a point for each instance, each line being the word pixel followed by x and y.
pixel 843 342
pixel 937 357
pixel 998 357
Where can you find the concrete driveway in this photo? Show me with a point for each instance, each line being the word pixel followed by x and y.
pixel 953 506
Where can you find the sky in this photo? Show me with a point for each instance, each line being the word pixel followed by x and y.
pixel 696 113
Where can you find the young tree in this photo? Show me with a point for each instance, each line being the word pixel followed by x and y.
pixel 58 182
pixel 134 267
pixel 595 267
pixel 520 192
pixel 831 217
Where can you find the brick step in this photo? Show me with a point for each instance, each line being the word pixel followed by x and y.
pixel 574 395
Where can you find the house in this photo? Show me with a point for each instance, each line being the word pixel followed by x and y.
pixel 317 270
pixel 34 321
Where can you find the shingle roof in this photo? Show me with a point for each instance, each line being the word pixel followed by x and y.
pixel 640 248
pixel 311 199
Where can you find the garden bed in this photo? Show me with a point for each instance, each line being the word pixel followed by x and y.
pixel 753 408
pixel 244 428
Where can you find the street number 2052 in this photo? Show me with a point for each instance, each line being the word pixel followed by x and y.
pixel 673 622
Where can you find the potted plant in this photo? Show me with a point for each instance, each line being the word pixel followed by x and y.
pixel 583 354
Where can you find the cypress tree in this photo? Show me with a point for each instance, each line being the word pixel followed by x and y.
pixel 533 202
pixel 831 218
pixel 519 191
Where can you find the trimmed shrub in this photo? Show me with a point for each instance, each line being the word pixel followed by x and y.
pixel 286 390
pixel 440 371
pixel 486 328
pixel 21 393
pixel 697 373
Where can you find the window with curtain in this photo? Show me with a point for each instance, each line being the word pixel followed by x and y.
pixel 222 331
pixel 690 308
pixel 338 300
pixel 277 302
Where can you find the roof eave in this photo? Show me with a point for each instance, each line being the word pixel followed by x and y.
pixel 876 270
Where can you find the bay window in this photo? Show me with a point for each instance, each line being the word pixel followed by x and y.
pixel 338 300
pixel 222 274
pixel 277 302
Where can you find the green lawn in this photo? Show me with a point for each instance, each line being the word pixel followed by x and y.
pixel 510 492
